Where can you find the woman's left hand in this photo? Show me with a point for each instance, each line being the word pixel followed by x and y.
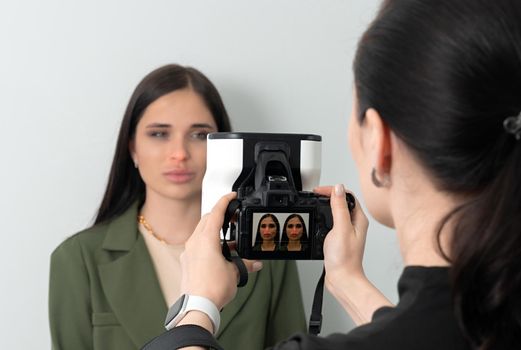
pixel 343 255
pixel 204 270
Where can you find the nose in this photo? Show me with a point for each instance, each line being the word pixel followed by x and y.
pixel 178 149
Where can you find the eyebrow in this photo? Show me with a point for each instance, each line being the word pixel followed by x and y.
pixel 193 126
pixel 158 125
pixel 203 125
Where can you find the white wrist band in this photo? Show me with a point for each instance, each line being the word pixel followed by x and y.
pixel 188 303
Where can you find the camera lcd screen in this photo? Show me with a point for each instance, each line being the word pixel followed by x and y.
pixel 282 232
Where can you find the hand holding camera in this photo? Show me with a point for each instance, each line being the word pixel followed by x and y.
pixel 274 217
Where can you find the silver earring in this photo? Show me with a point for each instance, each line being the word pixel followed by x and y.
pixel 135 163
pixel 384 183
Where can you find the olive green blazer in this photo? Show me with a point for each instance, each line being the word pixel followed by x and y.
pixel 104 294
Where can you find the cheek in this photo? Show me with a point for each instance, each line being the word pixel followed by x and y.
pixel 147 156
pixel 198 154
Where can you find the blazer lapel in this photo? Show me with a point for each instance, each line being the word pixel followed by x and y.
pixel 230 310
pixel 130 282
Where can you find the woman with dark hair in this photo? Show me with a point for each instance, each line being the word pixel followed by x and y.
pixel 294 234
pixel 435 133
pixel 111 285
pixel 268 234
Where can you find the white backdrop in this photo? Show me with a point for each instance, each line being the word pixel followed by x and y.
pixel 67 69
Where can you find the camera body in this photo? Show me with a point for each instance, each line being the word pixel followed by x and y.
pixel 277 216
pixel 311 210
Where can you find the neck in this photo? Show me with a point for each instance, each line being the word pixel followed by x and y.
pixel 294 245
pixel 268 245
pixel 417 228
pixel 172 220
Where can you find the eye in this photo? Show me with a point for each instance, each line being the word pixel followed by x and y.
pixel 199 135
pixel 271 225
pixel 161 134
pixel 298 225
pixel 263 225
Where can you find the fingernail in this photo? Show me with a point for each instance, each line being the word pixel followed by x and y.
pixel 339 190
pixel 257 266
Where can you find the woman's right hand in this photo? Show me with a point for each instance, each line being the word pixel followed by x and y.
pixel 204 270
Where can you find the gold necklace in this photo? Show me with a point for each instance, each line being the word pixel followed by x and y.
pixel 142 221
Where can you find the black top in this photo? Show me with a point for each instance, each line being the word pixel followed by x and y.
pixel 423 319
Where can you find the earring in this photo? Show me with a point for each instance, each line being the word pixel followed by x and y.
pixel 135 163
pixel 383 183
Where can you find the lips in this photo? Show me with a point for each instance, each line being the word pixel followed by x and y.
pixel 179 176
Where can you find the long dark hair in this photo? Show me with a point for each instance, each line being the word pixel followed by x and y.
pixel 285 239
pixel 258 238
pixel 444 75
pixel 125 185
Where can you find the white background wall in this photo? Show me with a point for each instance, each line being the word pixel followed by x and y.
pixel 67 69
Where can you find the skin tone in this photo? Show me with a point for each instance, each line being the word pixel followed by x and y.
pixel 169 149
pixel 268 231
pixel 416 209
pixel 294 230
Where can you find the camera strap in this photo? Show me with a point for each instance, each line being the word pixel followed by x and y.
pixel 243 271
pixel 315 320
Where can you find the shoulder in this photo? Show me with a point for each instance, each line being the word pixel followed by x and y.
pixel 424 315
pixel 80 244
pixel 89 236
pixel 119 233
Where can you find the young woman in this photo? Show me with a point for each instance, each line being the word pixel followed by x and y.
pixel 111 285
pixel 436 137
pixel 294 234
pixel 268 234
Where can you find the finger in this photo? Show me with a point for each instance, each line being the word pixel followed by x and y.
pixel 252 265
pixel 323 190
pixel 339 209
pixel 216 218
pixel 357 215
pixel 359 219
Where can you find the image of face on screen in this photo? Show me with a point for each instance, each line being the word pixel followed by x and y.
pixel 268 233
pixel 294 233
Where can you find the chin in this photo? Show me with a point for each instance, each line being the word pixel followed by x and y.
pixel 180 194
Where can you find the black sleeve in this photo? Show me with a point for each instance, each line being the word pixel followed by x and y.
pixel 302 341
pixel 182 336
pixel 191 335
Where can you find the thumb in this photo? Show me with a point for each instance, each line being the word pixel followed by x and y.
pixel 339 208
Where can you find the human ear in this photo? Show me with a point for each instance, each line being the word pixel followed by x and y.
pixel 132 151
pixel 379 143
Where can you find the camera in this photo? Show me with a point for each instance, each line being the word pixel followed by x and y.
pixel 277 215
